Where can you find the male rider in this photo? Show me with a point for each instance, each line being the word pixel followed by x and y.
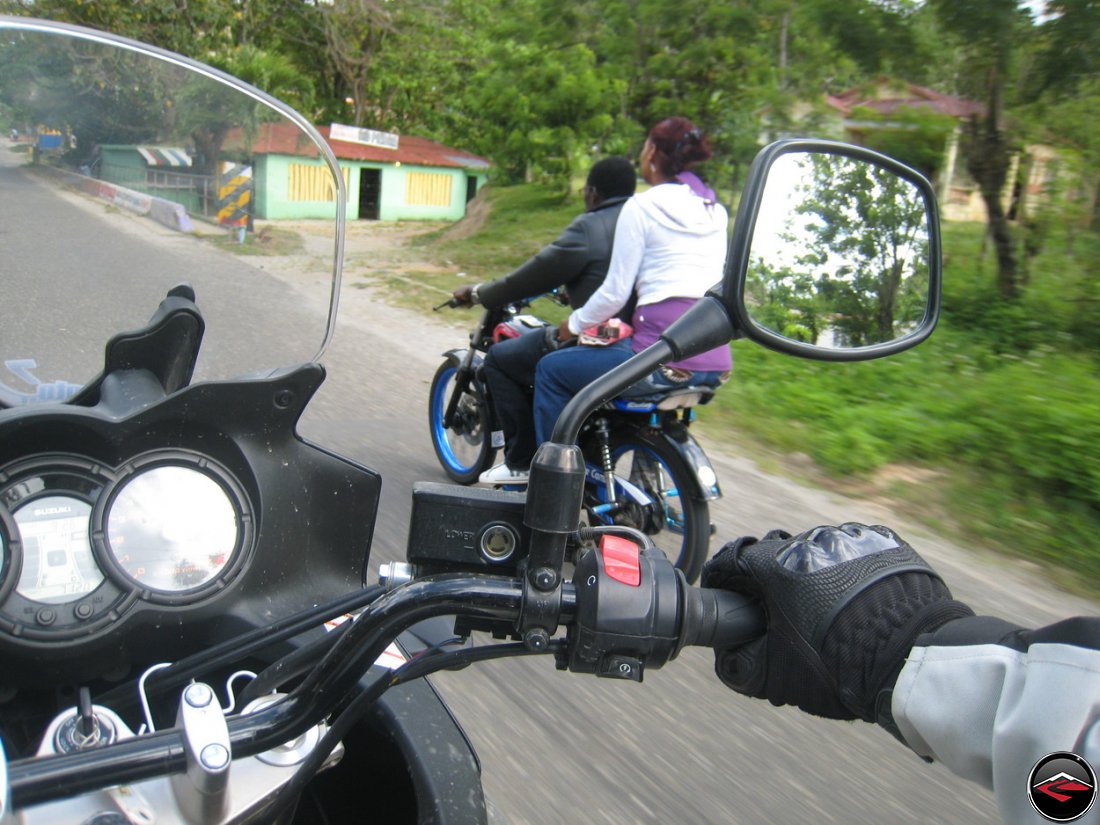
pixel 578 260
pixel 860 627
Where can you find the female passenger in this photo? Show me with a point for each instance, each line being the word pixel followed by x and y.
pixel 669 249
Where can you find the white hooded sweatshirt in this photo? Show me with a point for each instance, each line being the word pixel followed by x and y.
pixel 669 243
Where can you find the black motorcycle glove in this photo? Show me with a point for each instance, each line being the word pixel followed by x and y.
pixel 844 606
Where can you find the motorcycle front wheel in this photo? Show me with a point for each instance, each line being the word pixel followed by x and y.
pixel 676 520
pixel 464 449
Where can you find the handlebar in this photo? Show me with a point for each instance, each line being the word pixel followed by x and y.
pixel 36 780
pixel 696 616
pixel 721 619
pixel 516 305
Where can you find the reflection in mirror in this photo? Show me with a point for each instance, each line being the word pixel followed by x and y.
pixel 840 253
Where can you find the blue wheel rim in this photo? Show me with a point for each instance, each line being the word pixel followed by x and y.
pixel 440 434
pixel 673 520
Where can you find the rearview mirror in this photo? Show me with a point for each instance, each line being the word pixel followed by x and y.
pixel 836 253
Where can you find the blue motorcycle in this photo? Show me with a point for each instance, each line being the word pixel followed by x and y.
pixel 643 468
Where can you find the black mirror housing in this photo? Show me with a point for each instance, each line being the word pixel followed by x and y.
pixel 810 269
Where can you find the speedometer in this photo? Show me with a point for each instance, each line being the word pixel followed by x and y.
pixel 172 529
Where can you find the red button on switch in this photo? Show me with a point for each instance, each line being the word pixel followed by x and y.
pixel 620 559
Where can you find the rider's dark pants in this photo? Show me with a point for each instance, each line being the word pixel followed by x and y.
pixel 510 374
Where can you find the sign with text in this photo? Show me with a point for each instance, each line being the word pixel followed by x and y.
pixel 368 137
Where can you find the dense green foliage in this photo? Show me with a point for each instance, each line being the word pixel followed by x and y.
pixel 540 86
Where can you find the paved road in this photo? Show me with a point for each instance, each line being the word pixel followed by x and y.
pixel 555 748
pixel 82 270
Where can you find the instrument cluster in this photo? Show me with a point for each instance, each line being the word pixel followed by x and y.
pixel 83 543
pixel 141 527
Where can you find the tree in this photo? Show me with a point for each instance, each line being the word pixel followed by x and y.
pixel 82 90
pixel 991 34
pixel 355 31
pixel 784 298
pixel 871 237
pixel 711 62
pixel 423 77
pixel 272 72
pixel 1063 97
pixel 191 27
pixel 540 98
pixel 1068 56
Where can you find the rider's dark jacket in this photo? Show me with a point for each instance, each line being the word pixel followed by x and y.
pixel 580 253
pixel 989 700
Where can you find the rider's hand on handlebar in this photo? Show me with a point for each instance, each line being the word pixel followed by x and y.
pixel 844 606
pixel 464 295
pixel 564 333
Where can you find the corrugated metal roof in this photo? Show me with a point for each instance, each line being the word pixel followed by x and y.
pixel 286 139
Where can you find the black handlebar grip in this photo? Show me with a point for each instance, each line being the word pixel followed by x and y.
pixel 720 618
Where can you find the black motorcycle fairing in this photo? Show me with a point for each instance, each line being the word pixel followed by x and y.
pixel 446 776
pixel 309 517
pixel 167 347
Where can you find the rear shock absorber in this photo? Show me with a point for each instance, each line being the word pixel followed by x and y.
pixel 603 437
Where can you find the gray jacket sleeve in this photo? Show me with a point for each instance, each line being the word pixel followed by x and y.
pixel 989 700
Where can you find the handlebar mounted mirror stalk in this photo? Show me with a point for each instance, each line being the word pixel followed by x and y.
pixel 555 489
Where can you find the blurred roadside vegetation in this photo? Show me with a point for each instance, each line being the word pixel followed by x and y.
pixel 989 431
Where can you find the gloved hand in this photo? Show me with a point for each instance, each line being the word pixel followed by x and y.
pixel 844 606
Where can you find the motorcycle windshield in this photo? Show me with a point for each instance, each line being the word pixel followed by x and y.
pixel 125 171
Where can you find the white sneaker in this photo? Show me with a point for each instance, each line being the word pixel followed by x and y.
pixel 503 474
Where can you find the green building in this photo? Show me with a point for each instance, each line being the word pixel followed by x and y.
pixel 390 178
pixel 162 171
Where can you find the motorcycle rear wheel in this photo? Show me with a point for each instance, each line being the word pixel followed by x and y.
pixel 678 522
pixel 465 448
